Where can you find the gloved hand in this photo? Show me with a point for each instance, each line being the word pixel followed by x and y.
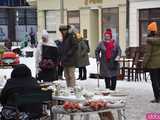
pixel 117 58
pixel 98 62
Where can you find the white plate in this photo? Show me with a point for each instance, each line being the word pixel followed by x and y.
pixel 118 94
pixel 115 105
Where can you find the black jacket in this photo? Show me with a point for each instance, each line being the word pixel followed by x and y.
pixel 21 82
pixel 49 53
pixel 69 50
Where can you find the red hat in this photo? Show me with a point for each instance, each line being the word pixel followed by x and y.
pixel 109 32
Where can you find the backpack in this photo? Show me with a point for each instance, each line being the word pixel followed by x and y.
pixel 11 112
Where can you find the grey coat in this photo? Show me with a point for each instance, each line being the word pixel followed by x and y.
pixel 83 50
pixel 107 69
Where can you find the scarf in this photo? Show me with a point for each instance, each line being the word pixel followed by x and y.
pixel 109 46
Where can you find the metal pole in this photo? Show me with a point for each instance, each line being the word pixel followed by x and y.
pixel 62 11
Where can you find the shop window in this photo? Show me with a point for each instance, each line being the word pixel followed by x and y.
pixel 155 14
pixel 74 19
pixel 3 17
pixel 110 20
pixel 146 15
pixel 13 2
pixel 25 20
pixel 26 17
pixel 31 16
pixel 20 16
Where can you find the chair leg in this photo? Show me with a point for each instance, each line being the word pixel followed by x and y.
pixel 128 74
pixel 140 73
pixel 145 76
pixel 132 75
pixel 137 76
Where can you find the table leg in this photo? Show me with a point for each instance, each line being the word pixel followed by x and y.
pixel 124 115
pixel 54 116
pixel 86 117
pixel 119 114
pixel 71 117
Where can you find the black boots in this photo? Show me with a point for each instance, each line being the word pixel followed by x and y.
pixel 110 83
pixel 82 73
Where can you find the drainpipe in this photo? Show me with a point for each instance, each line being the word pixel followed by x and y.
pixel 127 23
pixel 62 11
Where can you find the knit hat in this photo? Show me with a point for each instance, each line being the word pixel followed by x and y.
pixel 109 32
pixel 152 27
pixel 21 71
pixel 64 27
pixel 45 34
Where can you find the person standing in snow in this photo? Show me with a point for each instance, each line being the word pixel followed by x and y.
pixel 69 54
pixel 107 53
pixel 47 57
pixel 152 58
pixel 60 66
pixel 32 35
pixel 83 58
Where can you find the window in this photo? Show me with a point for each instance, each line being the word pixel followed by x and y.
pixel 13 2
pixel 74 19
pixel 146 15
pixel 20 16
pixel 26 17
pixel 51 20
pixel 31 16
pixel 3 17
pixel 110 20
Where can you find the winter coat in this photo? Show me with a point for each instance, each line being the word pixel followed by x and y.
pixel 59 45
pixel 152 53
pixel 83 50
pixel 107 69
pixel 69 50
pixel 47 52
pixel 21 81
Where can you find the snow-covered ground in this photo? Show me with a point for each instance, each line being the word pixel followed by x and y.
pixel 140 93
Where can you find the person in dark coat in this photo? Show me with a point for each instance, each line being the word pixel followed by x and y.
pixel 21 81
pixel 47 56
pixel 151 60
pixel 69 54
pixel 32 38
pixel 60 66
pixel 107 53
pixel 83 58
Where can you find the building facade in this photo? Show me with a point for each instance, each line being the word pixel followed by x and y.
pixel 17 19
pixel 141 12
pixel 90 17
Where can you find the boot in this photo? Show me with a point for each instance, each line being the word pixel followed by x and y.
pixel 84 78
pixel 84 73
pixel 79 78
pixel 80 74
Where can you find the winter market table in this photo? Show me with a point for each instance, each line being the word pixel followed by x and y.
pixel 58 111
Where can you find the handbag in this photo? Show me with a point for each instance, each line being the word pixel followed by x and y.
pixel 11 112
pixel 47 64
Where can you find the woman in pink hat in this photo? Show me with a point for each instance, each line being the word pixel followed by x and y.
pixel 107 53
